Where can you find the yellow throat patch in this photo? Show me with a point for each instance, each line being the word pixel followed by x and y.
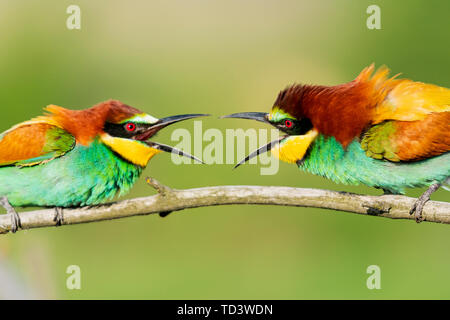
pixel 134 151
pixel 293 148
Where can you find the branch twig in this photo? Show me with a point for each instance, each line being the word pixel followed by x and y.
pixel 168 200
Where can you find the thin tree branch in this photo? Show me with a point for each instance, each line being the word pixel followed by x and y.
pixel 168 200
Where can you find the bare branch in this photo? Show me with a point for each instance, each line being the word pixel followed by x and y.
pixel 168 200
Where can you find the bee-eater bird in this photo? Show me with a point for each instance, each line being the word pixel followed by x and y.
pixel 383 132
pixel 70 158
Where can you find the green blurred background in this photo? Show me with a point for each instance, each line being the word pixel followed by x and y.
pixel 218 57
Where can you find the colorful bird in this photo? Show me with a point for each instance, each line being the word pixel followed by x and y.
pixel 383 132
pixel 70 158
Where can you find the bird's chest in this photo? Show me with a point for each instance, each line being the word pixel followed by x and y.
pixel 329 159
pixel 96 174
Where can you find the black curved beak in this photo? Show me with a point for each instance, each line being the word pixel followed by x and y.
pixel 258 116
pixel 164 122
pixel 166 148
pixel 261 117
pixel 259 151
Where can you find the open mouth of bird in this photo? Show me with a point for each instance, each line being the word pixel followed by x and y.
pixel 261 117
pixel 162 123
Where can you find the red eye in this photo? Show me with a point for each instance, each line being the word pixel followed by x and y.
pixel 288 123
pixel 130 127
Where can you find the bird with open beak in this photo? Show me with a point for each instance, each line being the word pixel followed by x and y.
pixel 73 158
pixel 383 132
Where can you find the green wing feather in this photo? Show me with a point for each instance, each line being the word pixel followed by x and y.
pixel 408 140
pixel 377 143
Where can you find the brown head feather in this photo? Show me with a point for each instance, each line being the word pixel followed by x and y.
pixel 343 111
pixel 86 124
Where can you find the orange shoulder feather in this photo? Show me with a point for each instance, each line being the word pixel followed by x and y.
pixel 409 140
pixel 34 142
pixel 403 99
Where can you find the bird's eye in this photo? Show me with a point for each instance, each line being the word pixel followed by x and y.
pixel 288 123
pixel 130 127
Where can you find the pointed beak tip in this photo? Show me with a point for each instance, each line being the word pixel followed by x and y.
pixel 198 160
pixel 203 115
pixel 181 117
pixel 169 149
pixel 259 151
pixel 258 116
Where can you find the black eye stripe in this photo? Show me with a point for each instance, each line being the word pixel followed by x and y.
pixel 283 123
pixel 121 131
pixel 297 127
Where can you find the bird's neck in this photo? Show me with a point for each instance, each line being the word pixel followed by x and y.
pixel 109 168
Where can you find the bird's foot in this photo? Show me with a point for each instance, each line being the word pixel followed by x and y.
pixel 59 216
pixel 418 206
pixel 15 219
